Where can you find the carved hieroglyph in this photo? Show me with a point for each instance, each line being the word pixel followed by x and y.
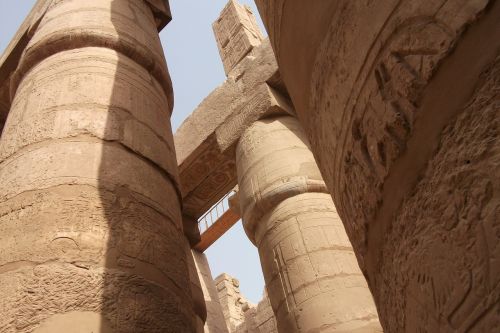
pixel 310 270
pixel 236 32
pixel 89 203
pixel 400 102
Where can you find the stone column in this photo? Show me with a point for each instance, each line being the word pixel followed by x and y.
pixel 312 277
pixel 197 292
pixel 399 100
pixel 215 322
pixel 89 207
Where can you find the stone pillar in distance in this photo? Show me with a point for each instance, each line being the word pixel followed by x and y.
pixel 311 273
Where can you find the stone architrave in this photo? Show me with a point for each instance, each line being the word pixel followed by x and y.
pixel 311 273
pixel 240 315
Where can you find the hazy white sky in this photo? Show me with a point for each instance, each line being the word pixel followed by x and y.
pixel 196 69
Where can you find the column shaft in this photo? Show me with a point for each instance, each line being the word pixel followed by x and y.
pixel 215 322
pixel 312 277
pixel 89 206
pixel 399 100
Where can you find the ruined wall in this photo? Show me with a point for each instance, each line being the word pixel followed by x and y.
pixel 240 315
pixel 259 318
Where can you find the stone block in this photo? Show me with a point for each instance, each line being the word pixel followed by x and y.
pixel 237 33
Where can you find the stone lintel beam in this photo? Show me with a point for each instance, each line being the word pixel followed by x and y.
pixel 251 72
pixel 208 171
pixel 9 60
pixel 205 141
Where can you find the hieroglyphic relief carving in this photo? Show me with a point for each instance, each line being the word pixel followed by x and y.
pixel 89 197
pixel 386 81
pixel 379 100
pixel 309 267
pixel 401 77
pixel 383 123
pixel 452 244
pixel 236 32
pixel 221 181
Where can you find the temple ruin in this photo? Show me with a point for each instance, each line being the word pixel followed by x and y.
pixel 358 143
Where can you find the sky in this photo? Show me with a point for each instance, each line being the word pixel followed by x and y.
pixel 196 69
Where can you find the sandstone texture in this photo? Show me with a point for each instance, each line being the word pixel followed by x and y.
pixel 240 315
pixel 206 140
pixel 391 108
pixel 237 33
pixel 312 277
pixel 197 290
pixel 245 127
pixel 215 322
pixel 400 102
pixel 89 192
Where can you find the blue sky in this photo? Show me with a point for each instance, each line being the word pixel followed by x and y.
pixel 196 69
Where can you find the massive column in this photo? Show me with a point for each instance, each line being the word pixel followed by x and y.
pixel 89 204
pixel 399 100
pixel 312 277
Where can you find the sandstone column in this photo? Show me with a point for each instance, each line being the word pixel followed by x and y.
pixel 197 293
pixel 214 317
pixel 311 273
pixel 399 100
pixel 89 206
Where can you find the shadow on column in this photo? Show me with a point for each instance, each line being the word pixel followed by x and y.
pixel 146 280
pixel 88 190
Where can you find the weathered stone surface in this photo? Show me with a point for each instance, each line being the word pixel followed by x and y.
pixel 161 12
pixel 311 273
pixel 134 118
pixel 233 303
pixel 240 315
pixel 89 197
pixel 400 102
pixel 206 140
pixel 12 55
pixel 236 33
pixel 197 291
pixel 259 319
pixel 215 322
